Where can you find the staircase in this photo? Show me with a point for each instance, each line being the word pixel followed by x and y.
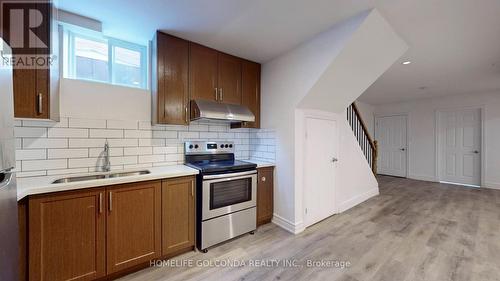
pixel 367 144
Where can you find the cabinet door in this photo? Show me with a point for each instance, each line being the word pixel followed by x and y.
pixel 31 84
pixel 133 224
pixel 250 91
pixel 265 195
pixel 202 73
pixel 67 236
pixel 229 79
pixel 178 214
pixel 171 95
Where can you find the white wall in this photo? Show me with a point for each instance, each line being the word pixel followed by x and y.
pixel 422 135
pixel 307 77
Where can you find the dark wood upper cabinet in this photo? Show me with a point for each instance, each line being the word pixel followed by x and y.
pixel 265 197
pixel 170 80
pixel 203 65
pixel 229 79
pixel 250 93
pixel 177 215
pixel 67 233
pixel 133 224
pixel 31 84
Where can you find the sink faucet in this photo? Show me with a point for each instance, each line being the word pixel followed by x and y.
pixel 106 167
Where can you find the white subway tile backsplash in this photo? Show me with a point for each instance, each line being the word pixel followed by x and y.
pixel 30 132
pixel 29 143
pixel 38 165
pixel 122 124
pixel 31 174
pixel 105 133
pixel 31 154
pixel 68 133
pixel 75 145
pixel 164 134
pixel 99 152
pixel 122 142
pixel 67 153
pixel 136 134
pixel 85 143
pixel 129 151
pixel 151 158
pixel 87 123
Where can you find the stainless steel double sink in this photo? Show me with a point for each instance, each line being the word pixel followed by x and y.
pixel 102 176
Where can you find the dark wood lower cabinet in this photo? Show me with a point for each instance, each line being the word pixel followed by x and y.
pixel 178 215
pixel 133 225
pixel 67 235
pixel 265 195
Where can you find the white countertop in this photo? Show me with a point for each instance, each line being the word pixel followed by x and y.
pixel 39 185
pixel 260 163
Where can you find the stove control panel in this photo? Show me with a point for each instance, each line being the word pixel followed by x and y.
pixel 208 147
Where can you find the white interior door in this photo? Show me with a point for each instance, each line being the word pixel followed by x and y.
pixel 460 146
pixel 319 172
pixel 392 147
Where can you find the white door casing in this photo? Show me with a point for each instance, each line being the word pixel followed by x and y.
pixel 391 134
pixel 459 145
pixel 320 165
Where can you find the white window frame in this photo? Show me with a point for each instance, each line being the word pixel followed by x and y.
pixel 112 43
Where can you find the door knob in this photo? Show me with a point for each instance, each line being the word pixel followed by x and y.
pixel 476 151
pixel 334 159
pixel 402 149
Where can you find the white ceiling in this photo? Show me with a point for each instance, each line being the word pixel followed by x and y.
pixel 454 44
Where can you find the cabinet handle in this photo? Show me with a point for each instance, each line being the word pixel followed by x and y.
pixel 221 94
pixel 110 201
pixel 100 203
pixel 263 179
pixel 186 116
pixel 216 94
pixel 40 103
pixel 192 189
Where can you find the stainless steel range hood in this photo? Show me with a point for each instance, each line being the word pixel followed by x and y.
pixel 205 109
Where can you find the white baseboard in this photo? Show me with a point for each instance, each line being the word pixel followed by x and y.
pixel 357 200
pixel 422 178
pixel 294 228
pixel 491 185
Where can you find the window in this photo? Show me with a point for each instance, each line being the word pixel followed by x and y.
pixel 103 59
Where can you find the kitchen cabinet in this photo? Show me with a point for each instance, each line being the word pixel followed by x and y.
pixel 250 92
pixel 133 224
pixel 229 79
pixel 203 67
pixel 67 233
pixel 170 80
pixel 35 86
pixel 265 197
pixel 214 75
pixel 178 215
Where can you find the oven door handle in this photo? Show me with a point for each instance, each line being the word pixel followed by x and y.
pixel 230 175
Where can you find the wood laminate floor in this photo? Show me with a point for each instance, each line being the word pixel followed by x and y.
pixel 413 230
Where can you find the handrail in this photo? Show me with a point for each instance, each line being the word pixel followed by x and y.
pixel 363 125
pixel 368 145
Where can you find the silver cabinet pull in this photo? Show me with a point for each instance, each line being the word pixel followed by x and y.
pixel 263 179
pixel 110 201
pixel 186 111
pixel 192 189
pixel 100 203
pixel 40 103
pixel 221 94
pixel 216 94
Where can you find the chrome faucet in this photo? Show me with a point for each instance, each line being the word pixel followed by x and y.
pixel 106 167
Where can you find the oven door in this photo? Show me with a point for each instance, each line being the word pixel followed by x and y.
pixel 228 193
